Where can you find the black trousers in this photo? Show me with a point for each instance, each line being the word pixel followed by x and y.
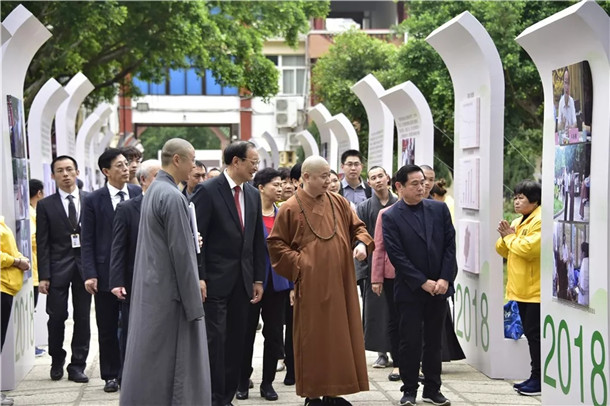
pixel 271 307
pixel 288 347
pixel 427 314
pixel 107 309
pixel 7 305
pixel 123 331
pixel 530 318
pixel 57 309
pixel 226 319
pixel 388 287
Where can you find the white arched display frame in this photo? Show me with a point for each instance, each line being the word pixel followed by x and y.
pixel 584 30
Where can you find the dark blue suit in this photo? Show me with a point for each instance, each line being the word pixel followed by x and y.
pixel 421 245
pixel 231 260
pixel 96 240
pixel 122 257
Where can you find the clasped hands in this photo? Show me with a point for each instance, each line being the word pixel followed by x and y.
pixel 434 288
pixel 505 229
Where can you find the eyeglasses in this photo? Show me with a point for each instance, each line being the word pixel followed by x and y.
pixel 352 164
pixel 254 162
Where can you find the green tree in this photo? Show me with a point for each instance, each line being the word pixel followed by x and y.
pixel 110 40
pixel 153 138
pixel 353 55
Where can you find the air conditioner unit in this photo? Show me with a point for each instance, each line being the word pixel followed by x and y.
pixel 285 113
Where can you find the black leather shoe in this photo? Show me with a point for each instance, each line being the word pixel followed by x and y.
pixel 112 385
pixel 335 401
pixel 394 377
pixel 78 376
pixel 289 381
pixel 313 402
pixel 57 372
pixel 250 384
pixel 268 392
pixel 241 395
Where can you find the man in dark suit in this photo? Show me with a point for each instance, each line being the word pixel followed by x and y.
pixel 59 268
pixel 98 215
pixel 198 175
pixel 232 263
pixel 420 241
pixel 123 250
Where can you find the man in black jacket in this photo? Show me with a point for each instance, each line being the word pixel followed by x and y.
pixel 59 269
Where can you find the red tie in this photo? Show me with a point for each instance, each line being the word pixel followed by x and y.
pixel 237 206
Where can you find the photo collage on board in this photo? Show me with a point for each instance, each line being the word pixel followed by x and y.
pixel 573 100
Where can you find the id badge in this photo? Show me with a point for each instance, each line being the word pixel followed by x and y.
pixel 75 240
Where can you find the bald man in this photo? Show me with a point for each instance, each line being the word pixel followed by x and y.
pixel 315 236
pixel 166 361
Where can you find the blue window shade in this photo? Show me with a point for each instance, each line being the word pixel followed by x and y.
pixel 194 83
pixel 157 88
pixel 211 86
pixel 229 91
pixel 177 82
pixel 140 84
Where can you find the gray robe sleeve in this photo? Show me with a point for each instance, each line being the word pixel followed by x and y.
pixel 182 255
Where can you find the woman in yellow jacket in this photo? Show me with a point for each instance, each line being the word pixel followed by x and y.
pixel 11 275
pixel 519 243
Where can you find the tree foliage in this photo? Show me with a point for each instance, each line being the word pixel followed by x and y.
pixel 153 138
pixel 353 55
pixel 418 61
pixel 110 40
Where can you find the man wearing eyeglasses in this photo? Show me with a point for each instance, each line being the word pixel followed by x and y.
pixel 96 238
pixel 197 176
pixel 232 262
pixel 353 188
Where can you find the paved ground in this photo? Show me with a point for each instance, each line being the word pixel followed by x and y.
pixel 461 383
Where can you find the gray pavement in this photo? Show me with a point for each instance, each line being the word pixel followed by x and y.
pixel 462 384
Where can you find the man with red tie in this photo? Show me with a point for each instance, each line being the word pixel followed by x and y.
pixel 232 262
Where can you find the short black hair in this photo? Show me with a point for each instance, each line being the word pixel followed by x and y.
pixel 264 176
pixel 35 187
pixel 61 158
pixel 350 152
pixel 402 175
pixel 105 160
pixel 427 168
pixel 372 168
pixel 200 164
pixel 284 172
pixel 214 169
pixel 530 189
pixel 131 153
pixel 584 247
pixel 237 149
pixel 295 172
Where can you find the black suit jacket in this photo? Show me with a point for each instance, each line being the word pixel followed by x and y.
pixel 228 254
pixel 419 255
pixel 124 241
pixel 57 260
pixel 96 235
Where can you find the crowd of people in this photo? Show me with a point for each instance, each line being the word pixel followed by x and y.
pixel 182 262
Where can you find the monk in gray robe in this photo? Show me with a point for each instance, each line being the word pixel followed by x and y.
pixel 167 359
pixel 315 236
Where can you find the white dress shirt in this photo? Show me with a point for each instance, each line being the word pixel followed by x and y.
pixel 114 194
pixel 65 201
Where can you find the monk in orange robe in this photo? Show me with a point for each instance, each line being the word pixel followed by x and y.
pixel 315 236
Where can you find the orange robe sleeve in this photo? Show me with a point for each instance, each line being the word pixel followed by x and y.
pixel 285 259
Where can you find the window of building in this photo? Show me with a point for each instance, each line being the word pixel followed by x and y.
pixel 293 73
pixel 185 82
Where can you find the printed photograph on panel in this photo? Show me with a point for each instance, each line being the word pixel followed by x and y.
pixel 408 151
pixel 573 101
pixel 571 262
